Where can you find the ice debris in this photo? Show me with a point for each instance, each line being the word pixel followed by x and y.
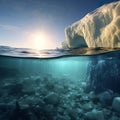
pixel 116 104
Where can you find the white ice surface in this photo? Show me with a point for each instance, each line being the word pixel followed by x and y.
pixel 100 28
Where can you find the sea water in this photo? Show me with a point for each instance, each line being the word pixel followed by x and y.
pixel 58 84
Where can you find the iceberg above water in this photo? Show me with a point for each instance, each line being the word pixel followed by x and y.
pixel 100 28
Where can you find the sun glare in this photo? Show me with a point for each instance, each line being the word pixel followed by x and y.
pixel 41 41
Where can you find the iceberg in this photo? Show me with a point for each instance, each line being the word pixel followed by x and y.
pixel 100 28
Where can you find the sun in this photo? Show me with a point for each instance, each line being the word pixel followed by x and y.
pixel 40 41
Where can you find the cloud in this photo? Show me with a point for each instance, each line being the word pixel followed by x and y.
pixel 14 29
pixel 9 27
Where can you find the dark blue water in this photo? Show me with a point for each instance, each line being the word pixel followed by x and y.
pixel 57 84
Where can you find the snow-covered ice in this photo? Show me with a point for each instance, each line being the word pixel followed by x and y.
pixel 100 28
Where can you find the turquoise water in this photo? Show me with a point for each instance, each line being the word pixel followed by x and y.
pixel 57 84
pixel 73 68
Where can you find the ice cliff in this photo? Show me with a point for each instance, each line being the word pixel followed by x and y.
pixel 100 28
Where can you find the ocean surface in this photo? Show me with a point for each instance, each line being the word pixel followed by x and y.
pixel 58 84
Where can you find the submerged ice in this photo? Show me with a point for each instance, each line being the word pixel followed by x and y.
pixel 100 28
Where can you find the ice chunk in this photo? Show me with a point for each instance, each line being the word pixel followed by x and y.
pixel 100 28
pixel 95 115
pixel 116 104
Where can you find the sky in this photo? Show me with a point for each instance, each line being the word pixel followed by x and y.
pixel 40 24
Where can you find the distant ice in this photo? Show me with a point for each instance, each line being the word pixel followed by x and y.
pixel 100 28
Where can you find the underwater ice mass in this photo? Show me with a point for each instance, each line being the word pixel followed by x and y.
pixel 100 28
